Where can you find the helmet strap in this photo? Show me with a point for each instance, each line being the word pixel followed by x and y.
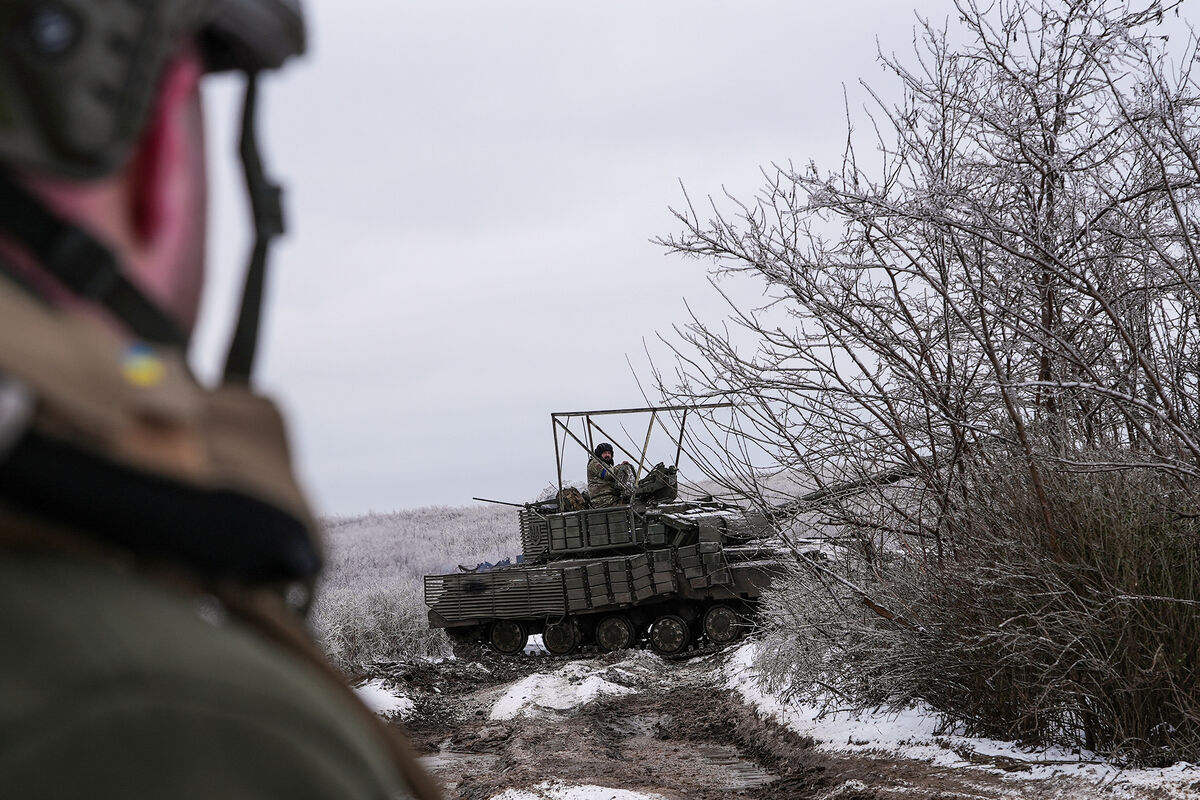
pixel 87 268
pixel 267 209
pixel 75 259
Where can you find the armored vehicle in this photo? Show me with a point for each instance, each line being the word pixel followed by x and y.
pixel 654 570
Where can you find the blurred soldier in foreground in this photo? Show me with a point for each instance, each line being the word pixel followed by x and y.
pixel 155 552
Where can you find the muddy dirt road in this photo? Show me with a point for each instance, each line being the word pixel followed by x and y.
pixel 633 721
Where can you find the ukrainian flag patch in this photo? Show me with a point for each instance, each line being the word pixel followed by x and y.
pixel 141 366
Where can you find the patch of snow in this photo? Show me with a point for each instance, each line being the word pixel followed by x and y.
pixel 556 790
pixel 383 700
pixel 827 547
pixel 1180 780
pixel 645 664
pixel 574 685
pixel 705 513
pixel 913 733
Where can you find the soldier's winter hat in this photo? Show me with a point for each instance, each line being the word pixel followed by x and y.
pixel 603 447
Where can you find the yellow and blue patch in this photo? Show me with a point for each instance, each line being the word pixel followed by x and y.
pixel 141 366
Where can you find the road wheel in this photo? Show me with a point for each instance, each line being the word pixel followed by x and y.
pixel 669 635
pixel 614 633
pixel 507 636
pixel 722 625
pixel 561 638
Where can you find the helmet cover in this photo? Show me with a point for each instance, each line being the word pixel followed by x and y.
pixel 77 77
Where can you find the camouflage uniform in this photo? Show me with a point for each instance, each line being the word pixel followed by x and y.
pixel 147 648
pixel 114 687
pixel 602 484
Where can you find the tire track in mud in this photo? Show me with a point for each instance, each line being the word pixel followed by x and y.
pixel 680 733
pixel 651 740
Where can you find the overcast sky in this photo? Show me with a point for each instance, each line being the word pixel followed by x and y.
pixel 472 187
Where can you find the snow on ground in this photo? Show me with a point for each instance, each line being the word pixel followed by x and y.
pixel 384 700
pixel 913 733
pixel 574 685
pixel 554 790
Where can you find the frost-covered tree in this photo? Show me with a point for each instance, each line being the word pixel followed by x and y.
pixel 1000 288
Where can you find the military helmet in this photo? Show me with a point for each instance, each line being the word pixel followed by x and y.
pixel 603 447
pixel 77 77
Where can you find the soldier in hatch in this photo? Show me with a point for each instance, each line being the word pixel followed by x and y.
pixel 604 487
pixel 155 551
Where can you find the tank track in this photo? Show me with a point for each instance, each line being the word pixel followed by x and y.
pixel 588 652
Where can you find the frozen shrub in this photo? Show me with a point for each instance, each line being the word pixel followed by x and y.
pixel 369 606
pixel 1086 637
pixel 377 621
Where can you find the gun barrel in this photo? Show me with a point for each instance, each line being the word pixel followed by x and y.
pixel 500 502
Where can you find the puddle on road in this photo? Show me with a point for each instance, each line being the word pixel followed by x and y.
pixel 724 765
pixel 725 768
pixel 445 761
pixel 639 725
pixel 739 773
